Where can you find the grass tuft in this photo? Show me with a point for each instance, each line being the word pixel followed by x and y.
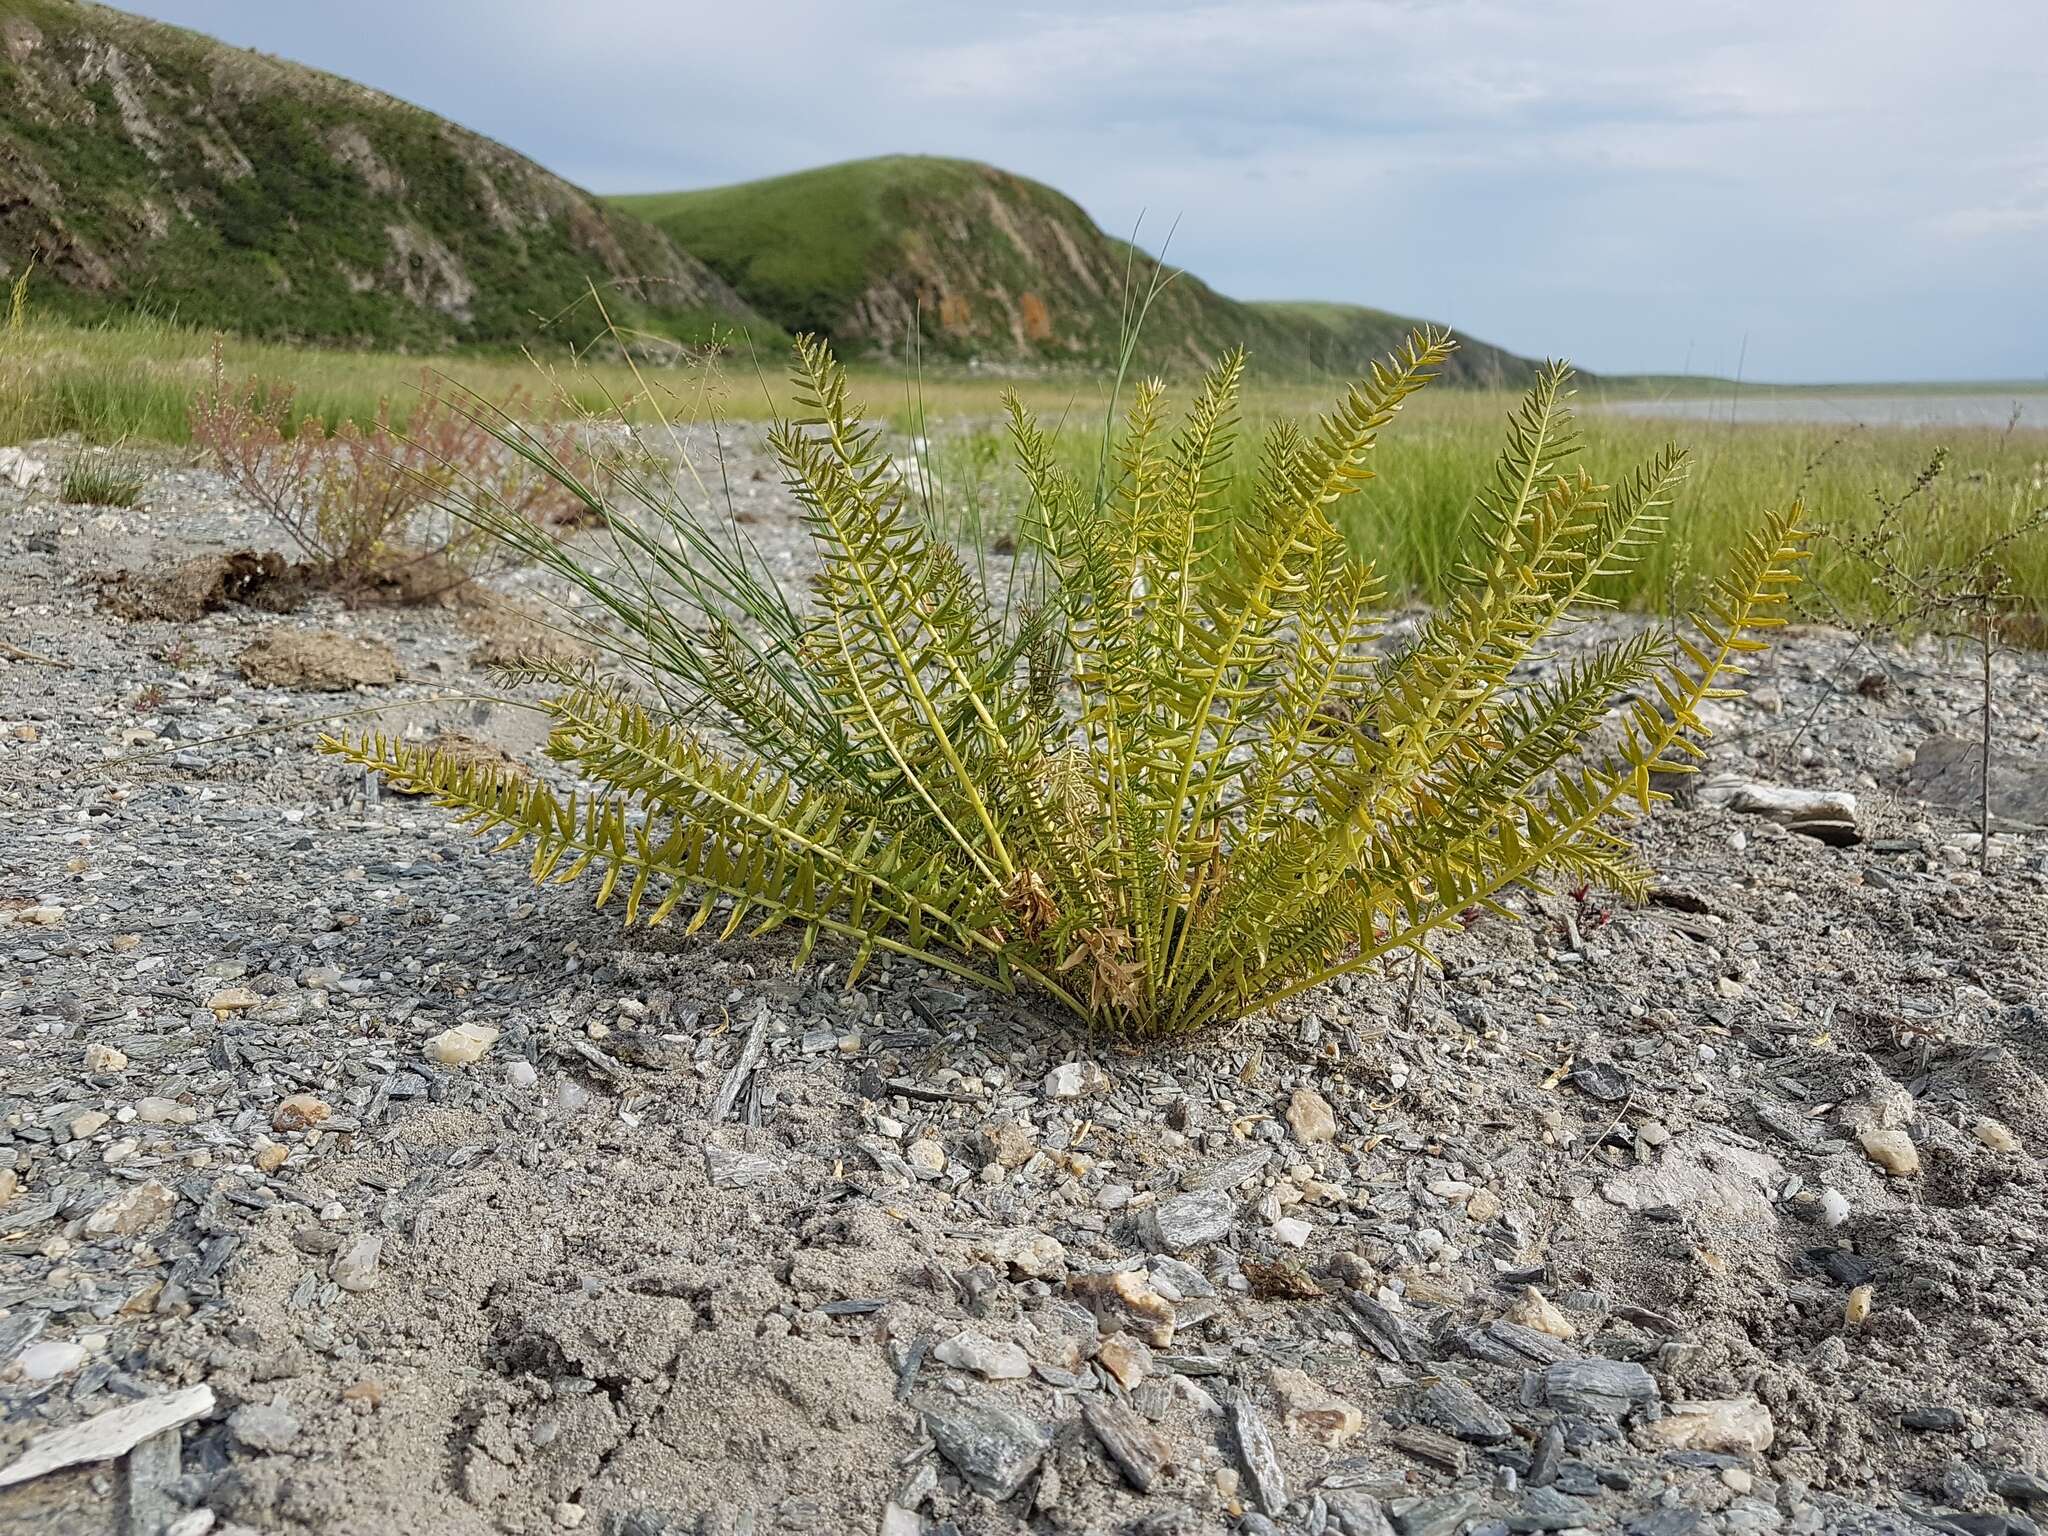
pixel 100 479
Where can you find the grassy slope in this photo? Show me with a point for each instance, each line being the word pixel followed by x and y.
pixel 143 167
pixel 985 264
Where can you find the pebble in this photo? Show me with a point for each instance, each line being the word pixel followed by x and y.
pixel 1125 1358
pixel 1076 1079
pixel 1482 1207
pixel 1891 1149
pixel 1455 1408
pixel 1856 1311
pixel 1139 1451
pixel 996 1448
pixel 299 1112
pixel 48 1359
pixel 1310 1117
pixel 87 1124
pixel 155 1111
pixel 264 1426
pixel 1996 1135
pixel 1256 1455
pixel 1027 1254
pixel 1834 1208
pixel 1309 1409
pixel 1537 1311
pixel 233 1000
pixel 1009 1145
pixel 1738 1478
pixel 1598 1389
pixel 1181 1222
pixel 928 1157
pixel 462 1046
pixel 1733 1424
pixel 977 1352
pixel 139 1208
pixel 104 1058
pixel 1123 1300
pixel 1292 1231
pixel 522 1075
pixel 355 1266
pixel 271 1156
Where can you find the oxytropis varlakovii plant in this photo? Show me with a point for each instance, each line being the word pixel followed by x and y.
pixel 1179 782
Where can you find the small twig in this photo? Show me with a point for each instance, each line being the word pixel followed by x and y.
pixel 1612 1126
pixel 1414 986
pixel 16 653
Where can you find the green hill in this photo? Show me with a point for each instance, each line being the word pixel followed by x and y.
pixel 993 267
pixel 145 167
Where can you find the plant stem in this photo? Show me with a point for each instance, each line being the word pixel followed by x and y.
pixel 1984 646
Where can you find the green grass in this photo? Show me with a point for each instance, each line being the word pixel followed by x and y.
pixel 100 478
pixel 1411 519
pixel 134 380
pixel 265 196
pixel 804 247
pixel 990 264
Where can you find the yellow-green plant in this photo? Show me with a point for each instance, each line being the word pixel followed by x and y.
pixel 1182 782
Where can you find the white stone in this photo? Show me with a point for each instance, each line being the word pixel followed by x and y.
pixel 1310 1117
pixel 1731 1424
pixel 1536 1310
pixel 984 1356
pixel 1891 1150
pixel 138 1208
pixel 164 1112
pixel 928 1157
pixel 461 1046
pixel 1996 1135
pixel 1834 1207
pixel 355 1267
pixel 1029 1254
pixel 104 1058
pixel 1292 1231
pixel 47 1359
pixel 521 1074
pixel 1074 1079
pixel 108 1434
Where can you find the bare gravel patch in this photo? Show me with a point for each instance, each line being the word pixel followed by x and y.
pixel 1721 1214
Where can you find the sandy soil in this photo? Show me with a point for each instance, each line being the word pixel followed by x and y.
pixel 1462 1257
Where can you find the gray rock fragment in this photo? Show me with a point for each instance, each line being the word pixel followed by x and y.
pixel 1440 1516
pixel 1255 1454
pixel 1455 1408
pixel 1545 1509
pixel 355 1267
pixel 264 1426
pixel 1189 1221
pixel 1386 1333
pixel 738 1170
pixel 1140 1451
pixel 995 1448
pixel 1357 1514
pixel 1598 1389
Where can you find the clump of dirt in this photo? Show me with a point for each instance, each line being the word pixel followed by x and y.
pixel 318 660
pixel 205 584
pixel 512 635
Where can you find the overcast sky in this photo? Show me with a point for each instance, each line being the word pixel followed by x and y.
pixel 1807 189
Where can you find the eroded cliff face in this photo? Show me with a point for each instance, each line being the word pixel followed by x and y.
pixel 146 167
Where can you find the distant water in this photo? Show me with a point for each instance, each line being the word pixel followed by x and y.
pixel 1829 407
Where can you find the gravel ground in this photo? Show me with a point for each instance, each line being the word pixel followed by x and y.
pixel 1724 1213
